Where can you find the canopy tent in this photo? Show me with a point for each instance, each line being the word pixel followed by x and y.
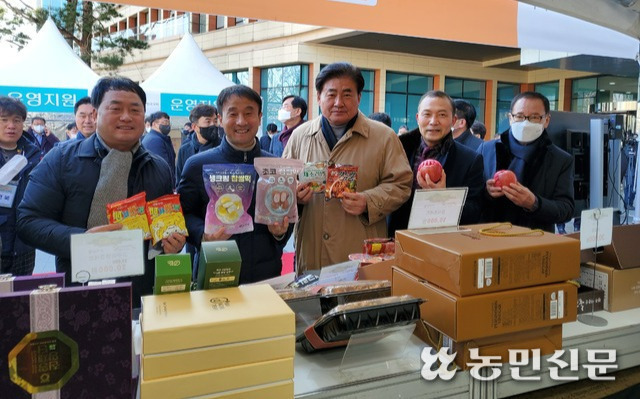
pixel 47 75
pixel 185 79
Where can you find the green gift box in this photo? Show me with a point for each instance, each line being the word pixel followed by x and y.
pixel 173 274
pixel 219 265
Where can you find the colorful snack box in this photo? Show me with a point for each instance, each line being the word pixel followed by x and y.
pixel 165 217
pixel 276 189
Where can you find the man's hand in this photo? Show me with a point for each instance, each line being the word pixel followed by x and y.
pixel 493 190
pixel 442 183
pixel 174 243
pixel 105 227
pixel 278 229
pixel 303 193
pixel 354 203
pixel 519 195
pixel 218 235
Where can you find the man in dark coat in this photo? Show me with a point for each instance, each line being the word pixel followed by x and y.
pixel 17 257
pixel 260 249
pixel 203 119
pixel 158 141
pixel 433 139
pixel 58 200
pixel 543 195
pixel 466 115
pixel 40 135
pixel 292 113
pixel 265 140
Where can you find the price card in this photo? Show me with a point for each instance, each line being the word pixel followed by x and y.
pixel 596 227
pixel 437 208
pixel 112 254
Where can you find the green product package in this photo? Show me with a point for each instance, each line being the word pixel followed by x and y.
pixel 219 265
pixel 173 274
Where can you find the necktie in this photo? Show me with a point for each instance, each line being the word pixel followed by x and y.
pixel 112 185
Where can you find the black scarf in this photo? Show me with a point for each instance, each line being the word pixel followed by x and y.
pixel 329 134
pixel 438 152
pixel 525 160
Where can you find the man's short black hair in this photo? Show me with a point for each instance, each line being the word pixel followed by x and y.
pixel 532 95
pixel 297 102
pixel 72 125
pixel 201 110
pixel 38 118
pixel 479 128
pixel 158 115
pixel 82 101
pixel 381 117
pixel 438 94
pixel 272 127
pixel 239 91
pixel 187 125
pixel 10 106
pixel 465 110
pixel 116 83
pixel 338 70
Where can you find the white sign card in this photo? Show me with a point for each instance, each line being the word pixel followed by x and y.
pixel 112 254
pixel 345 271
pixel 437 208
pixel 596 227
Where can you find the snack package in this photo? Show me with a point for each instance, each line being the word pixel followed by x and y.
pixel 340 179
pixel 379 246
pixel 230 191
pixel 276 189
pixel 165 217
pixel 130 213
pixel 315 173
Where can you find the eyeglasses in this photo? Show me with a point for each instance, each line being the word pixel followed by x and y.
pixel 530 118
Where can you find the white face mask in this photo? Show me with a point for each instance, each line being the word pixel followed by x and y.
pixel 284 115
pixel 38 129
pixel 147 129
pixel 526 132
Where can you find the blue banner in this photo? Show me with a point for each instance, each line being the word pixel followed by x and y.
pixel 181 104
pixel 45 99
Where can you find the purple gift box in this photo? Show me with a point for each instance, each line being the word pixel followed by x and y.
pixel 73 340
pixel 27 283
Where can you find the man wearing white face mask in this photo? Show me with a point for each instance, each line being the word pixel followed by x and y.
pixel 543 195
pixel 40 135
pixel 292 114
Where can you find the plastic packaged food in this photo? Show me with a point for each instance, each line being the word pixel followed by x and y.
pixel 336 327
pixel 276 189
pixel 165 217
pixel 378 246
pixel 352 291
pixel 340 179
pixel 230 191
pixel 315 173
pixel 130 213
pixel 296 294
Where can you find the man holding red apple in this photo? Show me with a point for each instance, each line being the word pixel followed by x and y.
pixel 438 161
pixel 543 193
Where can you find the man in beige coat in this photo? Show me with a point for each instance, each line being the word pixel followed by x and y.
pixel 328 231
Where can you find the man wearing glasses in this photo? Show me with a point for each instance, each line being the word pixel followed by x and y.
pixel 543 195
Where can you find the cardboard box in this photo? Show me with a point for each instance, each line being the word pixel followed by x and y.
pixel 376 271
pixel 621 253
pixel 10 283
pixel 173 274
pixel 280 390
pixel 547 340
pixel 218 381
pixel 214 317
pixel 621 287
pixel 469 263
pixel 76 340
pixel 219 265
pixel 486 315
pixel 187 361
pixel 590 299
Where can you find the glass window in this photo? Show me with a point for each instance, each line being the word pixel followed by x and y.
pixel 220 21
pixel 505 93
pixel 367 98
pixel 549 90
pixel 238 77
pixel 403 92
pixel 473 91
pixel 583 95
pixel 279 82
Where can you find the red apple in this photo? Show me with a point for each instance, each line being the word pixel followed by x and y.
pixel 504 178
pixel 433 168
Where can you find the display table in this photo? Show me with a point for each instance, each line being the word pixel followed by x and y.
pixel 319 375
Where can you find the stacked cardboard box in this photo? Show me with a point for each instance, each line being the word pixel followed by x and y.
pixel 491 292
pixel 617 269
pixel 225 343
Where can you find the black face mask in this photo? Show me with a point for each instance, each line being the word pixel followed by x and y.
pixel 209 133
